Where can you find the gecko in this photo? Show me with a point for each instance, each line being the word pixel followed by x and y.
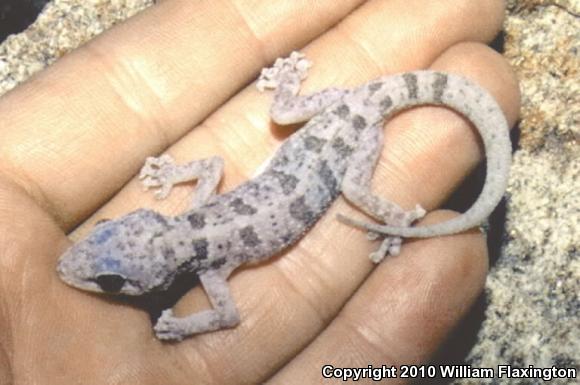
pixel 335 152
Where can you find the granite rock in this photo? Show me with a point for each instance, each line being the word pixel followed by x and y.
pixel 533 312
pixel 62 26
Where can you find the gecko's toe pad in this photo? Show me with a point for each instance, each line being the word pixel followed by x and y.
pixel 295 64
pixel 167 327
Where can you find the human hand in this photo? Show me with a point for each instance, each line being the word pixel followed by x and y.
pixel 73 138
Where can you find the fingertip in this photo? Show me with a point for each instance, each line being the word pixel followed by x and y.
pixel 467 250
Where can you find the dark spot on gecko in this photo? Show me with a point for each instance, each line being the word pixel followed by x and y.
pixel 160 219
pixel 301 212
pixel 374 87
pixel 343 149
pixel 105 235
pixel 386 104
pixel 342 111
pixel 328 178
pixel 156 234
pixel 287 182
pixel 280 161
pixel 169 253
pixel 196 220
pixel 147 215
pixel 241 208
pixel 439 86
pixel 241 258
pixel 217 263
pixel 286 238
pixel 251 189
pixel 411 83
pixel 200 248
pixel 312 143
pixel 214 324
pixel 358 122
pixel 249 236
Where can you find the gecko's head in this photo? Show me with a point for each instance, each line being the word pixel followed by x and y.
pixel 124 256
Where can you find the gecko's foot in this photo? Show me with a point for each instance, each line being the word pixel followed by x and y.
pixel 168 327
pixel 389 246
pixel 294 65
pixel 417 213
pixel 157 174
pixel 392 245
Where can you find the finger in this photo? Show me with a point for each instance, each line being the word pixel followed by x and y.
pixel 402 312
pixel 87 123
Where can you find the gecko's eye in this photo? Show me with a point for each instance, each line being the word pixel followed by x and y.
pixel 111 283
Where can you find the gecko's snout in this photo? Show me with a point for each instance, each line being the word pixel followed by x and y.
pixel 111 283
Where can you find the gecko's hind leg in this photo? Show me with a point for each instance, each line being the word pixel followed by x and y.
pixel 161 173
pixel 285 77
pixel 356 187
pixel 223 315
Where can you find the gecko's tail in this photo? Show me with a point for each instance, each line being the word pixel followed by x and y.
pixel 478 106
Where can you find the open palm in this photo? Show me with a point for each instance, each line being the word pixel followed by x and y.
pixel 172 79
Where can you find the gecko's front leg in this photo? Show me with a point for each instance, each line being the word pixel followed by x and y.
pixel 161 173
pixel 223 315
pixel 285 77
